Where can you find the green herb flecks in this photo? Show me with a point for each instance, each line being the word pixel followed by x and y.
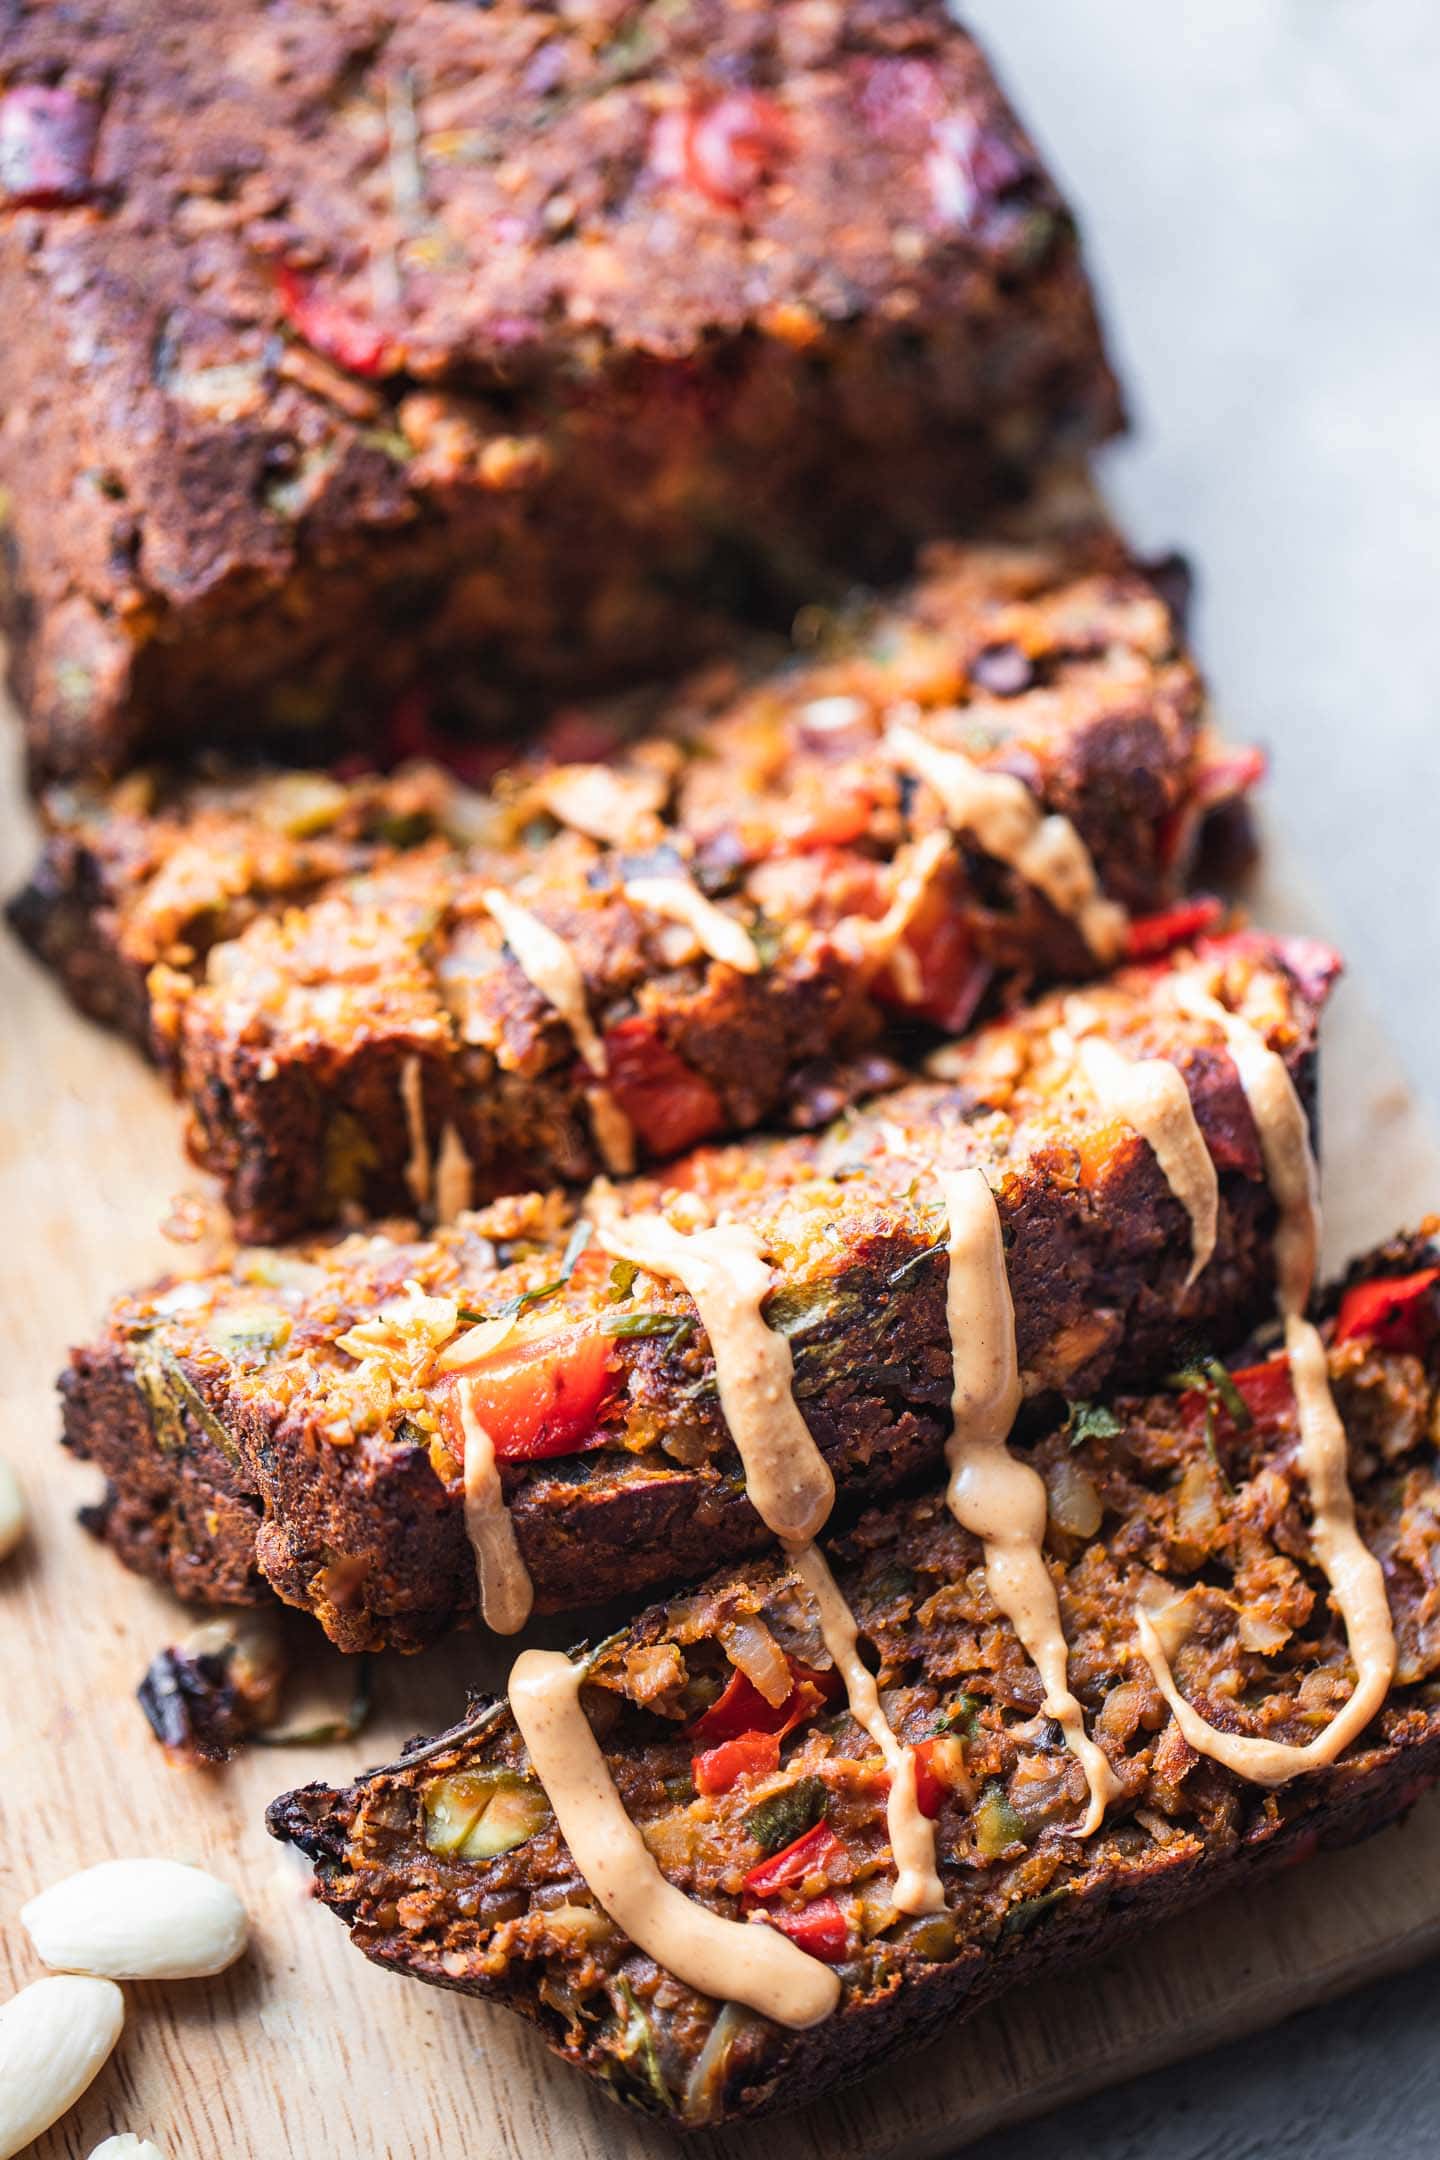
pixel 673 1326
pixel 1091 1421
pixel 912 1266
pixel 778 1820
pixel 637 2053
pixel 170 1397
pixel 998 1825
pixel 1208 1377
pixel 1022 1917
pixel 579 1238
pixel 962 1715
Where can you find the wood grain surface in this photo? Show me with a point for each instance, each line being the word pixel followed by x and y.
pixel 305 2052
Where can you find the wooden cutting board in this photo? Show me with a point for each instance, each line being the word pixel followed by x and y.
pixel 304 2051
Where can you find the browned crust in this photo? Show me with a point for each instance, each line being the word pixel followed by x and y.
pixel 240 470
pixel 292 998
pixel 1180 1828
pixel 369 1538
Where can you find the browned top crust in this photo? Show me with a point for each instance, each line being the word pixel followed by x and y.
pixel 1183 1493
pixel 304 1388
pixel 292 1000
pixel 511 345
pixel 503 193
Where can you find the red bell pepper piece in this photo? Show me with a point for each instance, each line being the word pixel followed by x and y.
pixel 741 1708
pixel 1391 1313
pixel 952 979
pixel 753 1754
pixel 1228 774
pixel 1151 935
pixel 723 150
pixel 542 1397
pixel 1266 1390
pixel 818 1928
pixel 332 328
pixel 410 732
pixel 808 1854
pixel 929 1790
pixel 834 820
pixel 1225 778
pixel 669 1104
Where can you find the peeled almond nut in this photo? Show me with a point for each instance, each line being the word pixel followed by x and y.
pixel 138 1920
pixel 54 2037
pixel 12 1511
pixel 127 2147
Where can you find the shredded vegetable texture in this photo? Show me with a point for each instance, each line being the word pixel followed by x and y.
pixel 752 1781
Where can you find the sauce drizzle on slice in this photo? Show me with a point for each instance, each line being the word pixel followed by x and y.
pixel 679 899
pixel 878 940
pixel 786 1477
pixel 1285 1148
pixel 1047 852
pixel 1351 1569
pixel 549 966
pixel 743 1962
pixel 506 1592
pixel 454 1176
pixel 1151 1095
pixel 991 1493
pixel 417 1162
pixel 918 1888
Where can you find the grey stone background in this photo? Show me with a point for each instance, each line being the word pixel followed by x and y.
pixel 1259 184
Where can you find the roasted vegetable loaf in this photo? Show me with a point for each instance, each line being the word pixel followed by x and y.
pixel 292 1418
pixel 330 1036
pixel 360 345
pixel 449 1864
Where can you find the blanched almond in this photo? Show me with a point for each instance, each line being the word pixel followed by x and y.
pixel 138 1920
pixel 12 1511
pixel 54 2036
pixel 127 2147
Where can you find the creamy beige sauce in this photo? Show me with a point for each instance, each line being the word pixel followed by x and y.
pixel 617 808
pixel 918 1887
pixel 1003 815
pixel 1150 1094
pixel 506 1592
pixel 736 1960
pixel 991 1493
pixel 549 966
pixel 614 1134
pixel 678 899
pixel 417 1163
pixel 1351 1569
pixel 786 1477
pixel 882 939
pixel 547 963
pixel 454 1176
pixel 1285 1146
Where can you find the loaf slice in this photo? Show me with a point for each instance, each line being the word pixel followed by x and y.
pixel 1195 1490
pixel 250 1436
pixel 330 1034
pixel 365 347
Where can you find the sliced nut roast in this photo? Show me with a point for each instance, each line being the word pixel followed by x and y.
pixel 138 1920
pixel 12 1511
pixel 54 2037
pixel 126 2146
